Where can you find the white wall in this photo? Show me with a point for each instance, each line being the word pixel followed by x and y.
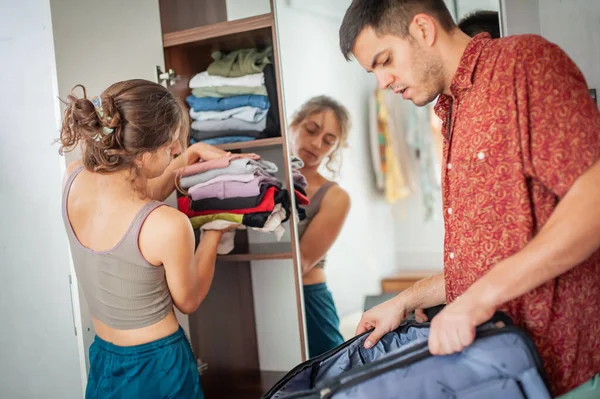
pixel 238 9
pixel 520 16
pixel 312 64
pixel 38 347
pixel 575 27
pixel 419 243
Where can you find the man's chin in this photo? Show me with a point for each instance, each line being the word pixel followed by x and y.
pixel 421 102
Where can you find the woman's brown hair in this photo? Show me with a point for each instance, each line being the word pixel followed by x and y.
pixel 129 118
pixel 320 104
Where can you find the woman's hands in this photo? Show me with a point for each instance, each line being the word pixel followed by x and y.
pixel 207 152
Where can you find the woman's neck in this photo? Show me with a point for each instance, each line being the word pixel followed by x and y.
pixel 311 173
pixel 123 183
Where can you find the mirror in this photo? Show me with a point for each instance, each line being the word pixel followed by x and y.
pixel 372 164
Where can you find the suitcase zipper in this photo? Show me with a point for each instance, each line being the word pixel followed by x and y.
pixel 292 373
pixel 324 392
pixel 422 352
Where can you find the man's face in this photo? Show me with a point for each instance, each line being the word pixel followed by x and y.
pixel 407 66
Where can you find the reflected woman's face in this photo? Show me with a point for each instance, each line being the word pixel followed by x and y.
pixel 316 137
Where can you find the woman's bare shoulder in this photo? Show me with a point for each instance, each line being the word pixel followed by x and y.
pixel 338 197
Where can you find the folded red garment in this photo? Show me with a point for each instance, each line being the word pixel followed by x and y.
pixel 183 204
pixel 266 205
pixel 302 199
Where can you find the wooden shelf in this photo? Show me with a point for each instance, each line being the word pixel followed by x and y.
pixel 218 30
pixel 402 280
pixel 271 251
pixel 250 257
pixel 251 144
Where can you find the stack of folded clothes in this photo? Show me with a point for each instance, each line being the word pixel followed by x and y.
pixel 242 191
pixel 235 99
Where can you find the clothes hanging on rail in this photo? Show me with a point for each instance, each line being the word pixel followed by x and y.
pixel 421 144
pixel 386 130
pixel 402 149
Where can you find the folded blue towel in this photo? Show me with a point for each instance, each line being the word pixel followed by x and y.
pixel 226 103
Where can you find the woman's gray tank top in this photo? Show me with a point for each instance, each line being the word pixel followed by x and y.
pixel 122 289
pixel 311 211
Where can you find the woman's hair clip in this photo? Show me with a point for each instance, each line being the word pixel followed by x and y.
pixel 98 105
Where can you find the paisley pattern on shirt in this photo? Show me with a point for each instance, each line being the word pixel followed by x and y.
pixel 523 129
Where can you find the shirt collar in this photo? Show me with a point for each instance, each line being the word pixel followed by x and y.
pixel 463 78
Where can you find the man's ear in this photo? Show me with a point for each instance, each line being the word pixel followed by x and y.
pixel 423 29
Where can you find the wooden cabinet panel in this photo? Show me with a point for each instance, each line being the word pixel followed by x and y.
pixel 402 280
pixel 178 15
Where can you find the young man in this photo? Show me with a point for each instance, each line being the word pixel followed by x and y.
pixel 521 182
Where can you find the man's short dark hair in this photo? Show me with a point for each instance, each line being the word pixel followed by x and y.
pixel 479 22
pixel 388 17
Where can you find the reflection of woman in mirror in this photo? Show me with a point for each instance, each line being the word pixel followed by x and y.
pixel 318 131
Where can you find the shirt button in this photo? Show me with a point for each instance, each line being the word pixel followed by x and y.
pixel 449 166
pixel 451 255
pixel 481 155
pixel 449 211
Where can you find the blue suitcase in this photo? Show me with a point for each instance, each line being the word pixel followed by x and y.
pixel 502 363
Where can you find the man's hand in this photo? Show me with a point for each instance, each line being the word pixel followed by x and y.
pixel 421 316
pixel 384 318
pixel 388 316
pixel 453 329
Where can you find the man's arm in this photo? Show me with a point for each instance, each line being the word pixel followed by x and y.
pixel 569 237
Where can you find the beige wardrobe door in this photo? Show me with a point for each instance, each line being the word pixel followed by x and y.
pixel 99 43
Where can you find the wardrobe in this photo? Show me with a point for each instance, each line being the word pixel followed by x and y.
pixel 250 329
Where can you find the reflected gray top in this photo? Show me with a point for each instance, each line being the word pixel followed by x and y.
pixel 311 211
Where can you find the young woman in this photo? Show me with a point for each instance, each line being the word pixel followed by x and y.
pixel 134 257
pixel 318 131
